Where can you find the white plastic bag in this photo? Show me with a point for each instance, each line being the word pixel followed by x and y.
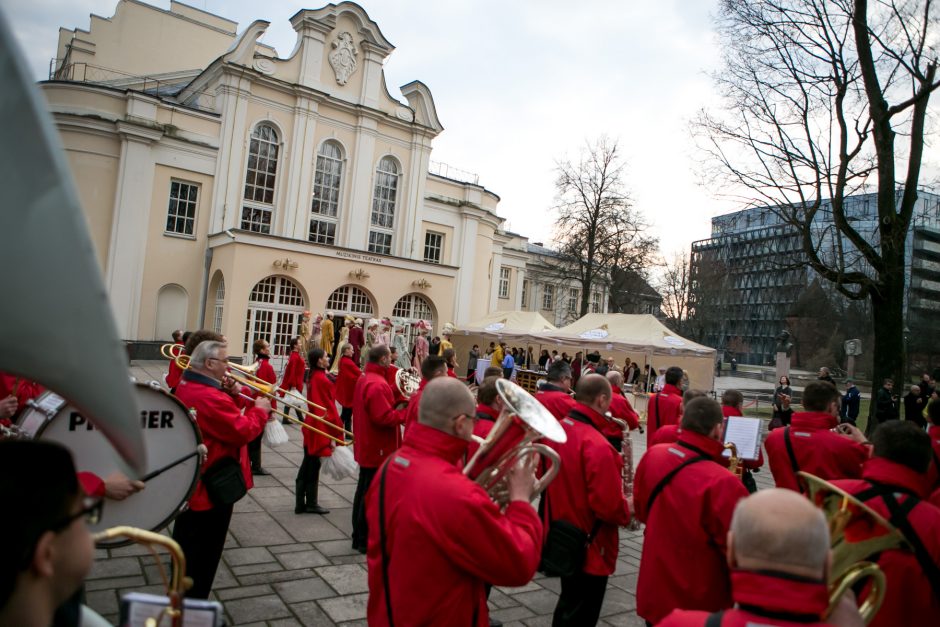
pixel 274 433
pixel 340 464
pixel 294 400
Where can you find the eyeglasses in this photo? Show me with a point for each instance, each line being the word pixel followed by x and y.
pixel 91 511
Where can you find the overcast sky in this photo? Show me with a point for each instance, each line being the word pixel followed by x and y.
pixel 517 86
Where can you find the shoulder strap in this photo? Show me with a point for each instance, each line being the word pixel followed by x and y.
pixel 385 556
pixel 659 418
pixel 792 455
pixel 714 620
pixel 665 481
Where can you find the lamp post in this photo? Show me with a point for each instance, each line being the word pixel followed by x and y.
pixel 907 355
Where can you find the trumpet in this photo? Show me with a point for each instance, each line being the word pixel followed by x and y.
pixel 522 421
pixel 857 533
pixel 245 375
pixel 407 380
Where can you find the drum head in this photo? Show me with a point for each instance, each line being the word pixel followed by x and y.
pixel 169 434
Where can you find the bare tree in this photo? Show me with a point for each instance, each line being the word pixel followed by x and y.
pixel 825 99
pixel 674 285
pixel 597 231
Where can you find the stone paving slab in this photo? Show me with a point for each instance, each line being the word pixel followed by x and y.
pixel 283 569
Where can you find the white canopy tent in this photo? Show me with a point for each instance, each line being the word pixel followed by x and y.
pixel 517 328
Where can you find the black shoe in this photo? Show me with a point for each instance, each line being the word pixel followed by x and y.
pixel 259 471
pixel 313 509
pixel 496 623
pixel 359 549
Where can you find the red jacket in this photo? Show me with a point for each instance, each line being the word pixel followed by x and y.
pixel 770 599
pixel 934 472
pixel 663 408
pixel 391 375
pixel 320 391
pixel 683 563
pixel 751 464
pixel 486 418
pixel 294 373
pixel 909 599
pixel 376 422
pixel 26 390
pixel 817 450
pixel 266 373
pixel 621 408
pixel 445 538
pixel 589 487
pixel 411 412
pixel 175 373
pixel 225 429
pixel 346 380
pixel 92 484
pixel 555 400
pixel 667 434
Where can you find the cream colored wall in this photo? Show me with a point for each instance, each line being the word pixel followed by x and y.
pixel 144 40
pixel 447 231
pixel 172 258
pixel 481 264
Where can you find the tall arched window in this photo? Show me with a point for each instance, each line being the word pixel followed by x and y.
pixel 219 304
pixel 275 309
pixel 324 208
pixel 258 207
pixel 349 299
pixel 384 199
pixel 409 309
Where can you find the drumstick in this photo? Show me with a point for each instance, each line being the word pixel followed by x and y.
pixel 159 471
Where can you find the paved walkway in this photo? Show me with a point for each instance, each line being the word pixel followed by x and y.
pixel 282 569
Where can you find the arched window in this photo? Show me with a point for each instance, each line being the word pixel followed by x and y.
pixel 258 207
pixel 349 299
pixel 172 305
pixel 409 309
pixel 275 310
pixel 384 199
pixel 219 303
pixel 324 208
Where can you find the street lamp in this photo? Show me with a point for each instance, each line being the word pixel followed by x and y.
pixel 907 354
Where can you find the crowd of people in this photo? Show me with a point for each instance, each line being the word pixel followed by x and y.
pixel 715 549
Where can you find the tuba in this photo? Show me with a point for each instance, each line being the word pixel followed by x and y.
pixel 626 471
pixel 407 380
pixel 856 534
pixel 522 421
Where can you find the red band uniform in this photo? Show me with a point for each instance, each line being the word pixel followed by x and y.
pixel 588 488
pixel 293 378
pixel 411 411
pixel 816 450
pixel 266 373
pixel 346 379
pixel 683 563
pixel 316 446
pixel 201 529
pixel 555 399
pixel 445 538
pixel 663 408
pixel 175 373
pixel 376 424
pixel 619 408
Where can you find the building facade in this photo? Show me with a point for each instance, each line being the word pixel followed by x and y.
pixel 229 188
pixel 749 276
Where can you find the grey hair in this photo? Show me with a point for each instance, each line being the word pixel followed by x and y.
pixel 205 351
pixel 615 378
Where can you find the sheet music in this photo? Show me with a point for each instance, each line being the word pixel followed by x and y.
pixel 745 433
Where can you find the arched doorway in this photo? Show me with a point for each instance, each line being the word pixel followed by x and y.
pixel 411 308
pixel 275 309
pixel 351 300
pixel 172 303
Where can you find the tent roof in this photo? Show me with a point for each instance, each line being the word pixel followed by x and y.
pixel 508 323
pixel 639 332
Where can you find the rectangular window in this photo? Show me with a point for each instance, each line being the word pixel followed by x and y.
pixel 433 246
pixel 573 297
pixel 525 294
pixel 181 212
pixel 380 242
pixel 257 219
pixel 548 297
pixel 504 274
pixel 322 232
pixel 595 302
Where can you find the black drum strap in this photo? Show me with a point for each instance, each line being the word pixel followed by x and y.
pixel 385 556
pixel 792 455
pixel 665 481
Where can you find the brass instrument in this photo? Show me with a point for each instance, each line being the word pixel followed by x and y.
pixel 856 532
pixel 177 585
pixel 734 462
pixel 626 472
pixel 407 380
pixel 172 351
pixel 522 421
pixel 245 375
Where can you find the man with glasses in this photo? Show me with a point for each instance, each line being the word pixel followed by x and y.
pixel 45 546
pixel 435 537
pixel 200 530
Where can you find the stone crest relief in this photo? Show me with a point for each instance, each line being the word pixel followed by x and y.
pixel 343 57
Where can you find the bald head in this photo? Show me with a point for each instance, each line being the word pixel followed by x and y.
pixel 615 379
pixel 444 399
pixel 779 530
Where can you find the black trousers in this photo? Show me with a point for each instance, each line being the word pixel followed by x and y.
pixel 579 603
pixel 346 417
pixel 254 452
pixel 201 535
pixel 360 533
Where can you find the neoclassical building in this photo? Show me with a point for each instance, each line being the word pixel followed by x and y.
pixel 230 188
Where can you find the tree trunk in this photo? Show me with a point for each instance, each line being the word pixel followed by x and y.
pixel 887 306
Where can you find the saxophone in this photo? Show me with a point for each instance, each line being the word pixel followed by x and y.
pixel 626 471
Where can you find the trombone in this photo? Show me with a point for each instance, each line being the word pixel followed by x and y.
pixel 246 376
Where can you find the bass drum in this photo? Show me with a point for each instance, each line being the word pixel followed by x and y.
pixel 170 435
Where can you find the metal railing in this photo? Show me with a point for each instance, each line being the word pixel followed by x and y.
pixel 450 172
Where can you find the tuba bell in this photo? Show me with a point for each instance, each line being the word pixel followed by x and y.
pixel 856 533
pixel 407 380
pixel 522 421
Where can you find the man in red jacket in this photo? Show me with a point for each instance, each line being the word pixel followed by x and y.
pixel 778 551
pixel 588 492
pixel 686 497
pixel 732 404
pixel 664 407
pixel 200 530
pixel 619 408
pixel 894 484
pixel 349 374
pixel 556 394
pixel 432 367
pixel 810 443
pixel 933 431
pixel 436 538
pixel 377 429
pixel 265 372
